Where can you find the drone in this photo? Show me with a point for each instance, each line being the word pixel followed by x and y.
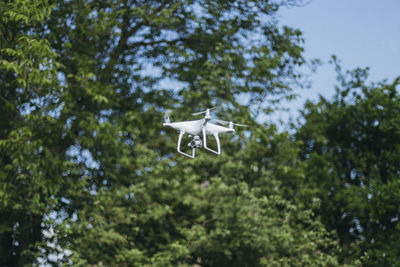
pixel 200 128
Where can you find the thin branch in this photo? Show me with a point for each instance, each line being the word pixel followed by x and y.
pixel 126 33
pixel 144 43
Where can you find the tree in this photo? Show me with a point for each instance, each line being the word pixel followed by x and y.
pixel 224 212
pixel 109 189
pixel 351 145
pixel 30 168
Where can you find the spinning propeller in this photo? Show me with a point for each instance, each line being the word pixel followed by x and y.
pixel 206 111
pixel 231 124
pixel 167 113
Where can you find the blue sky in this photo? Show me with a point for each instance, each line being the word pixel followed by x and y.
pixel 360 32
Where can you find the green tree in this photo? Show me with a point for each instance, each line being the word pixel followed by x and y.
pixel 84 155
pixel 223 211
pixel 351 144
pixel 29 166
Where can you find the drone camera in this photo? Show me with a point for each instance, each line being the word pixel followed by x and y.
pixel 196 142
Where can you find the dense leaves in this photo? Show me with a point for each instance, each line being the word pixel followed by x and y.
pixel 30 164
pixel 351 145
pixel 88 175
pixel 198 214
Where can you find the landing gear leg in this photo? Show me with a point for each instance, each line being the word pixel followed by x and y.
pixel 218 152
pixel 182 132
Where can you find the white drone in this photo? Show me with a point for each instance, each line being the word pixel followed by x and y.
pixel 200 127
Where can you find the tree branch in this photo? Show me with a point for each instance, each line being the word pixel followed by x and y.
pixel 144 43
pixel 126 33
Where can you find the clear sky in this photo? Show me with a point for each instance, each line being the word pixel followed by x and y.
pixel 360 32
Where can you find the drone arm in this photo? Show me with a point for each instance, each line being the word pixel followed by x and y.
pixel 216 138
pixel 182 132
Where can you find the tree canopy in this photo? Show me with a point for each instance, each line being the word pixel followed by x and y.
pixel 89 177
pixel 351 146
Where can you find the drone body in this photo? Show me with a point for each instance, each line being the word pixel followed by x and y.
pixel 200 128
pixel 196 127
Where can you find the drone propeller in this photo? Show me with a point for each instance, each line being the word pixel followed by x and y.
pixel 167 113
pixel 207 110
pixel 231 123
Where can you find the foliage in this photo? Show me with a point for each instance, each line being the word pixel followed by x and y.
pixel 89 177
pixel 205 213
pixel 351 145
pixel 30 165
